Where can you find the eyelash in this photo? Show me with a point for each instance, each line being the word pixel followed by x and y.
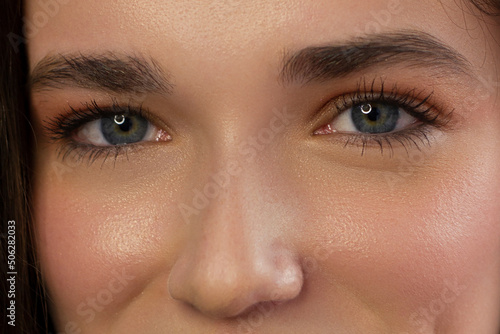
pixel 415 102
pixel 62 127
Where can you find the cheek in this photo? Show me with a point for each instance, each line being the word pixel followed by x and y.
pixel 99 240
pixel 402 238
pixel 89 251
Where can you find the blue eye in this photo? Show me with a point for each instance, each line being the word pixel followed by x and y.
pixel 375 117
pixel 120 129
pixel 384 119
pixel 370 118
pixel 123 129
pixel 99 132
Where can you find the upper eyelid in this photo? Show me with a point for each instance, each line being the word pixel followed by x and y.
pixel 60 126
pixel 420 103
pixel 348 101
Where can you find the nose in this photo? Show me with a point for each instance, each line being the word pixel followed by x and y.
pixel 232 262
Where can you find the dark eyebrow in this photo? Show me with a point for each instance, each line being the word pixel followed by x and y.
pixel 408 48
pixel 109 72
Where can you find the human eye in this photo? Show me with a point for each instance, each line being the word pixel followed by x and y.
pixel 95 132
pixel 380 118
pixel 373 117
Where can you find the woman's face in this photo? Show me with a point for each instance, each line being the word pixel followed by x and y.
pixel 267 166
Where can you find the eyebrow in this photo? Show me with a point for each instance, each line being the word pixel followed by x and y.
pixel 414 49
pixel 109 72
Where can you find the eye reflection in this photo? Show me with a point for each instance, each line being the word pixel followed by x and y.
pixel 122 129
pixel 375 117
pixel 370 118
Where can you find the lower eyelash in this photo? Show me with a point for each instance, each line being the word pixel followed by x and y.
pixel 417 138
pixel 60 129
pixel 412 101
pixel 80 152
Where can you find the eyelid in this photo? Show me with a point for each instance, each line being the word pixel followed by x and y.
pixel 61 130
pixel 89 133
pixel 419 103
pixel 61 127
pixel 344 120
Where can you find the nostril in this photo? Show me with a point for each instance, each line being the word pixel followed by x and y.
pixel 237 290
pixel 259 311
pixel 214 292
pixel 226 309
pixel 225 280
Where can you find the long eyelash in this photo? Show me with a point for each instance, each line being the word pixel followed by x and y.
pixel 62 127
pixel 414 137
pixel 416 102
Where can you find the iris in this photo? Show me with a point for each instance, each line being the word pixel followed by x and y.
pixel 375 117
pixel 124 129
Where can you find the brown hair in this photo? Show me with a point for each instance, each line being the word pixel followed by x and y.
pixel 15 176
pixel 489 7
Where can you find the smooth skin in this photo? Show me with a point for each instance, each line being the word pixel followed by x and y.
pixel 301 232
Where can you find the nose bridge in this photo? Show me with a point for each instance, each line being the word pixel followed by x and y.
pixel 225 235
pixel 237 154
pixel 232 259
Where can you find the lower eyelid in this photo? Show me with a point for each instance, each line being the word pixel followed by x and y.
pixel 417 137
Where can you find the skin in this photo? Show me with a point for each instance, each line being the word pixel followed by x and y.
pixel 308 235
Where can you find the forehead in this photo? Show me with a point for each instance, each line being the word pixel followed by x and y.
pixel 222 30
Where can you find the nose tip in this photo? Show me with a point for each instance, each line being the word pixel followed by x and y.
pixel 225 286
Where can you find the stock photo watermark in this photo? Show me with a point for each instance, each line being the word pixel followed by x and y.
pixel 88 309
pixel 381 18
pixel 250 323
pixel 31 26
pixel 424 319
pixel 11 273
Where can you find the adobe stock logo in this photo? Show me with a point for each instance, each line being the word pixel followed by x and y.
pixel 92 305
pixel 423 320
pixel 31 26
pixel 381 18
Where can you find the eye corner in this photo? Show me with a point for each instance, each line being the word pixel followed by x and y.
pixel 324 130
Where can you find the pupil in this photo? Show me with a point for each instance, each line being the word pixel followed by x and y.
pixel 373 115
pixel 125 125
